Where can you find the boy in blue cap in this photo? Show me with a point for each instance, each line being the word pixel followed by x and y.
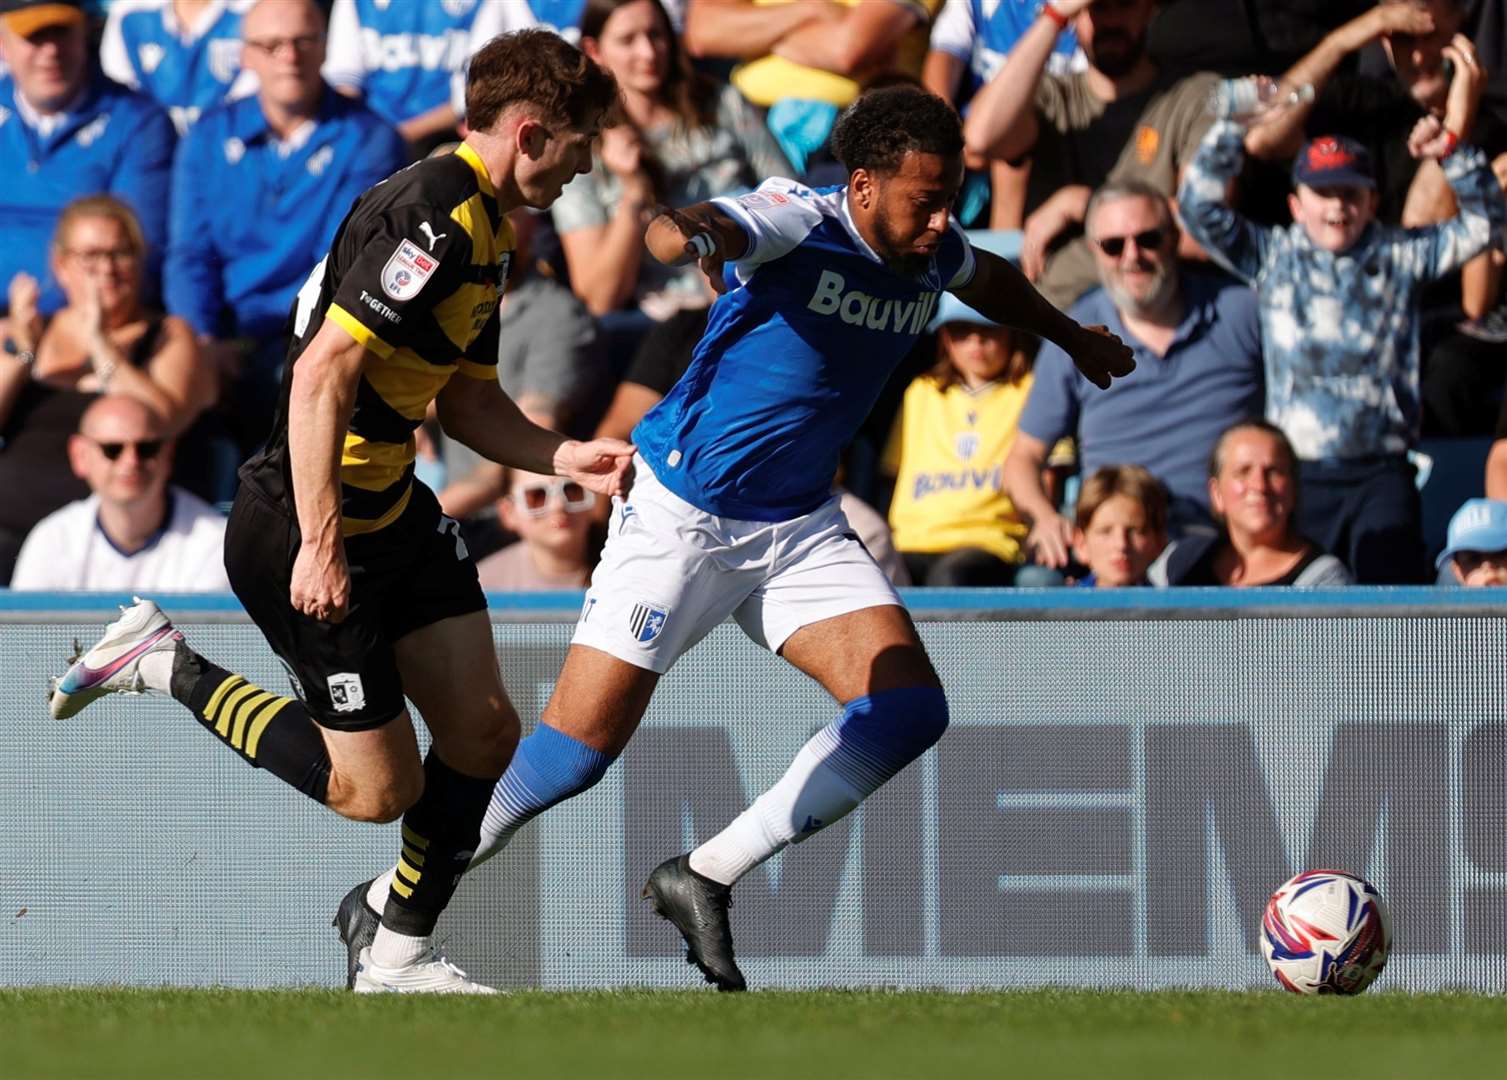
pixel 1339 298
pixel 1476 551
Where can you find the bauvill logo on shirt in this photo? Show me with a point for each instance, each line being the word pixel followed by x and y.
pixel 856 307
pixel 937 483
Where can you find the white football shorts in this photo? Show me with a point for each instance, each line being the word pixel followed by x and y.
pixel 671 572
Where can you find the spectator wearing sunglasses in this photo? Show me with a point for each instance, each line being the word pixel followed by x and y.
pixel 134 531
pixel 552 517
pixel 1198 369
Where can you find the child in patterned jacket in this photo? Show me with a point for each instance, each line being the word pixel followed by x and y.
pixel 1339 297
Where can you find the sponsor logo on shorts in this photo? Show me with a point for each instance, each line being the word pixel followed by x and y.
pixel 346 692
pixel 407 271
pixel 646 621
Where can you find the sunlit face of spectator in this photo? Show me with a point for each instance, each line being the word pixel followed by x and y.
pixel 1480 569
pixel 283 44
pixel 1119 543
pixel 1334 217
pixel 49 66
pixel 1419 61
pixel 120 451
pixel 550 513
pixel 1255 490
pixel 980 353
pixel 907 211
pixel 1113 34
pixel 1135 246
pixel 634 46
pixel 97 252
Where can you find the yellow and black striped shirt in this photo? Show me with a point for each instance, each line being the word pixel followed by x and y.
pixel 415 274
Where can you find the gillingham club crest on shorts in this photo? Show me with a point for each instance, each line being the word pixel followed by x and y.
pixel 407 270
pixel 646 621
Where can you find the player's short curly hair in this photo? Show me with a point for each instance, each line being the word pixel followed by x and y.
pixel 882 126
pixel 540 69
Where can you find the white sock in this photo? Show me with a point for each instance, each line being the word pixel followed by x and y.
pixel 156 669
pixel 808 798
pixel 394 950
pixel 376 895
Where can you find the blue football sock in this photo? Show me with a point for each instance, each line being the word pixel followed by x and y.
pixel 844 763
pixel 548 768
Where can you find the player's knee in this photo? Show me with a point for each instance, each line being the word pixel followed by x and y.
pixel 483 745
pixel 906 721
pixel 378 803
pixel 931 716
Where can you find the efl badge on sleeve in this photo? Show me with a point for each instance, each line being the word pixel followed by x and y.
pixel 646 621
pixel 407 270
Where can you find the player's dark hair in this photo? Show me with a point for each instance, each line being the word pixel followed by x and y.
pixel 539 69
pixel 882 126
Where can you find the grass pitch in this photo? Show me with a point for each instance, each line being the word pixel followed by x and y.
pixel 226 1035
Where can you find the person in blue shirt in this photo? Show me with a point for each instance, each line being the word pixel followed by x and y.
pixel 732 512
pixel 66 132
pixel 400 59
pixel 259 187
pixel 1197 341
pixel 183 54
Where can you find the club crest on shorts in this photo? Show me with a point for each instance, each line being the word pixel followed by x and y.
pixel 407 270
pixel 346 692
pixel 646 621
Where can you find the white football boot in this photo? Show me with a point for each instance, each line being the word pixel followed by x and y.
pixel 113 665
pixel 435 975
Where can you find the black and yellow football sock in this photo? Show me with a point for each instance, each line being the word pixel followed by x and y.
pixel 271 732
pixel 440 834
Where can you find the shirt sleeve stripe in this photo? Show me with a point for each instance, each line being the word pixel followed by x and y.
pixel 358 330
pixel 472 369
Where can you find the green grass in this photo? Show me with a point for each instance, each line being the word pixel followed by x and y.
pixel 226 1035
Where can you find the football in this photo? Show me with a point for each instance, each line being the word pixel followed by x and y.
pixel 1326 932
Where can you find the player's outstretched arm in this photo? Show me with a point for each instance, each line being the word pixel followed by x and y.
pixel 700 233
pixel 1001 292
pixel 479 414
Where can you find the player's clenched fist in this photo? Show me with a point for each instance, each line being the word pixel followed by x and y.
pixel 321 584
pixel 1100 355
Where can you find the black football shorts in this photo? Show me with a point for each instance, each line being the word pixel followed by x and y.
pixel 408 575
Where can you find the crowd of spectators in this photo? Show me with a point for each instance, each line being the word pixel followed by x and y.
pixel 1309 267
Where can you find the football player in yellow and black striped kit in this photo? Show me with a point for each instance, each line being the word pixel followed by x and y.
pixel 361 585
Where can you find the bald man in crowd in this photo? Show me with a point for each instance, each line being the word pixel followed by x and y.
pixel 135 531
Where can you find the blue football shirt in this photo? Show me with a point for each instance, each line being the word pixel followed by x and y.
pixel 793 357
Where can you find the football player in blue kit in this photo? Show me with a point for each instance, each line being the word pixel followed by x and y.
pixel 731 512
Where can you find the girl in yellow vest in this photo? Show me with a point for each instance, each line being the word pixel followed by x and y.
pixel 953 523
